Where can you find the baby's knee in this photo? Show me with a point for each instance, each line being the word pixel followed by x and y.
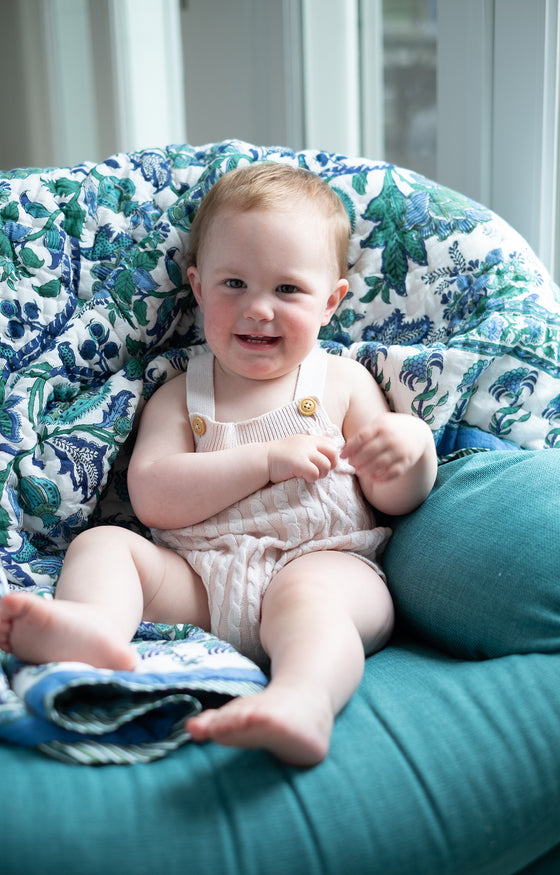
pixel 98 538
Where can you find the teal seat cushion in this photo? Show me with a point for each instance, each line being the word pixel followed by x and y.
pixel 476 569
pixel 438 766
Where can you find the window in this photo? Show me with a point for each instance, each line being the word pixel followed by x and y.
pixel 410 84
pixel 466 93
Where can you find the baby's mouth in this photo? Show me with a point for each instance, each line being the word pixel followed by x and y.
pixel 258 339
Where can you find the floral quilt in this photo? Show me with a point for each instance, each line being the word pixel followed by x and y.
pixel 448 308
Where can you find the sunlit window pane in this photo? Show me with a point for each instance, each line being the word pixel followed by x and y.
pixel 410 45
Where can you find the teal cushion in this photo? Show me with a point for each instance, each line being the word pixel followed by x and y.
pixel 437 765
pixel 476 569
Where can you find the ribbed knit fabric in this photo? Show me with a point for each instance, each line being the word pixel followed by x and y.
pixel 238 551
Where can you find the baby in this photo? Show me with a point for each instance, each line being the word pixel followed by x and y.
pixel 257 475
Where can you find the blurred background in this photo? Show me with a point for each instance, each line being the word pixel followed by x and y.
pixel 467 93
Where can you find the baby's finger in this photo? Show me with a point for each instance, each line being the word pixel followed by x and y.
pixel 376 465
pixel 364 452
pixel 351 447
pixel 330 451
pixel 382 475
pixel 326 460
pixel 314 471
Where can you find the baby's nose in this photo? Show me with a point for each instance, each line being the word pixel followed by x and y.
pixel 260 306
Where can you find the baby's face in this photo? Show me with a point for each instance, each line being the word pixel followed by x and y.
pixel 266 282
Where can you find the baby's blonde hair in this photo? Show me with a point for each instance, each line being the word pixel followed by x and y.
pixel 270 185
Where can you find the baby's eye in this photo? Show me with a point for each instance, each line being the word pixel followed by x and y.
pixel 235 283
pixel 287 289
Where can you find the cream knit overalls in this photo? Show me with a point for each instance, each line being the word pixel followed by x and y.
pixel 238 551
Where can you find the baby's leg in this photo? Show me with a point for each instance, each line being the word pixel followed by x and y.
pixel 39 630
pixel 319 615
pixel 112 579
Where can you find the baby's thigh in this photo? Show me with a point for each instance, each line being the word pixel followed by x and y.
pixel 344 583
pixel 173 591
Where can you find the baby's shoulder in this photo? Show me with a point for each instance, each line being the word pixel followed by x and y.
pixel 165 415
pixel 347 372
pixel 170 394
pixel 347 380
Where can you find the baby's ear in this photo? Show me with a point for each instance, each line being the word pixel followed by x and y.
pixel 334 300
pixel 194 280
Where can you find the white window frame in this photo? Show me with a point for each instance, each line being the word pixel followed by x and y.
pixel 115 45
pixel 527 62
pixel 331 76
pixel 465 96
pixel 498 101
pixel 342 87
pixel 147 49
pixel 69 48
pixel 498 137
pixel 498 90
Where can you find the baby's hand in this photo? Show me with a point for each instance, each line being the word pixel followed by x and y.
pixel 308 456
pixel 387 448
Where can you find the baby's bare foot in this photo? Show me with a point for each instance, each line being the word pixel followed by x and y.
pixel 38 630
pixel 293 725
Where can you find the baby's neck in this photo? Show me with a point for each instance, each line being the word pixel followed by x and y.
pixel 239 398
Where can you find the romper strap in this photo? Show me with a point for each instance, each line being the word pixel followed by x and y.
pixel 312 375
pixel 200 385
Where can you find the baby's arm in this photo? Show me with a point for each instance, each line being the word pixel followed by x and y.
pixel 171 486
pixel 393 453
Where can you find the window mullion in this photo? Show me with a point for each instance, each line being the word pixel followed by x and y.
pixel 331 77
pixel 465 101
pixel 525 120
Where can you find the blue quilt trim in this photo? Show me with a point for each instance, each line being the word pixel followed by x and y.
pixel 109 713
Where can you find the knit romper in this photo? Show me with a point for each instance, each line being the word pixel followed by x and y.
pixel 238 551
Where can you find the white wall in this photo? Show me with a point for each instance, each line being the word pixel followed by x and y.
pixel 27 126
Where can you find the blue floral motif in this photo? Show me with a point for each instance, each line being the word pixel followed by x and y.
pixel 552 414
pixel 420 369
pixel 396 329
pixel 154 167
pixel 15 232
pixel 10 424
pixel 65 529
pixel 514 383
pixel 534 332
pixel 119 413
pixel 511 387
pixel 108 244
pixel 552 410
pixel 440 212
pixel 493 327
pixel 82 460
pixel 373 356
pixel 472 375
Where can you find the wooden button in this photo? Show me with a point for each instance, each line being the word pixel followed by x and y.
pixel 307 406
pixel 198 425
